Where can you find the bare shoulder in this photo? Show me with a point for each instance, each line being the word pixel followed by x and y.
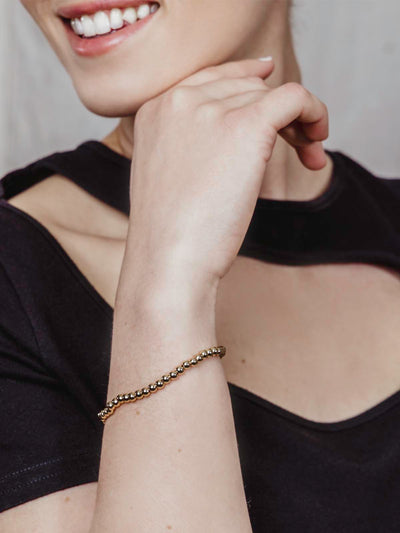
pixel 32 200
pixel 57 202
pixel 91 232
pixel 65 511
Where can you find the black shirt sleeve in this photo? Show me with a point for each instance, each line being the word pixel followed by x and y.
pixel 45 442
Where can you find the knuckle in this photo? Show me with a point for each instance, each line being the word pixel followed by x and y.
pixel 258 107
pixel 209 110
pixel 296 89
pixel 179 97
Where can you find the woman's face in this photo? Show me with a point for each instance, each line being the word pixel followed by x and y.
pixel 181 37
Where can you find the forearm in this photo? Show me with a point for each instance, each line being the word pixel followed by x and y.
pixel 169 461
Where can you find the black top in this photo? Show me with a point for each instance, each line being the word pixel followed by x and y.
pixel 55 339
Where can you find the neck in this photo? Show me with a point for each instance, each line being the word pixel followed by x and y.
pixel 285 176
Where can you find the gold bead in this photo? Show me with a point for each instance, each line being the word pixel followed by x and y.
pixel 110 406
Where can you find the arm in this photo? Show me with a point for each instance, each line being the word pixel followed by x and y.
pixel 169 461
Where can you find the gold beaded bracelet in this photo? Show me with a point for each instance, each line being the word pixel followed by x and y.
pixel 159 383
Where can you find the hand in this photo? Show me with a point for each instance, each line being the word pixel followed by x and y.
pixel 199 158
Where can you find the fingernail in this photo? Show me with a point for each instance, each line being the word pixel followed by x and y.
pixel 268 58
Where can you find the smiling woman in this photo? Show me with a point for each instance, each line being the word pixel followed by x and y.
pixel 199 318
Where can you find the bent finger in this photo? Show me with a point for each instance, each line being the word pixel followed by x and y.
pixel 295 132
pixel 313 156
pixel 230 69
pixel 227 87
pixel 292 102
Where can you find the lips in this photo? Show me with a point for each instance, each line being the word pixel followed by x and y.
pixel 88 8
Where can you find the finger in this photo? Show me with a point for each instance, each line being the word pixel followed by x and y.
pixel 285 104
pixel 293 102
pixel 230 69
pixel 310 152
pixel 290 104
pixel 313 156
pixel 284 112
pixel 227 87
pixel 296 132
pixel 297 135
pixel 242 100
pixel 319 130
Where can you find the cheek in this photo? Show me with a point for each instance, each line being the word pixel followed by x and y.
pixel 216 30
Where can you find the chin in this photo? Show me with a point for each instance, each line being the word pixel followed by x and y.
pixel 117 91
pixel 112 99
pixel 107 102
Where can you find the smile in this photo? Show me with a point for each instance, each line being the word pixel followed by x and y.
pixel 103 22
pixel 93 32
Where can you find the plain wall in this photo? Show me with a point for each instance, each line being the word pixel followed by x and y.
pixel 349 53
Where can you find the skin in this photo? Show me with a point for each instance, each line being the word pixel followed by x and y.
pixel 305 362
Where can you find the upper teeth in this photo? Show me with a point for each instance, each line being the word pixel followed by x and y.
pixel 103 22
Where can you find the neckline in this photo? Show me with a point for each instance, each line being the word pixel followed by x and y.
pixel 120 182
pixel 106 151
pixel 343 424
pixel 324 198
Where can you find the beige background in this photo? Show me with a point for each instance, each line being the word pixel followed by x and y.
pixel 349 52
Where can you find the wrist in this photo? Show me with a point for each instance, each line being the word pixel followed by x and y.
pixel 166 319
pixel 147 291
pixel 157 266
pixel 165 283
